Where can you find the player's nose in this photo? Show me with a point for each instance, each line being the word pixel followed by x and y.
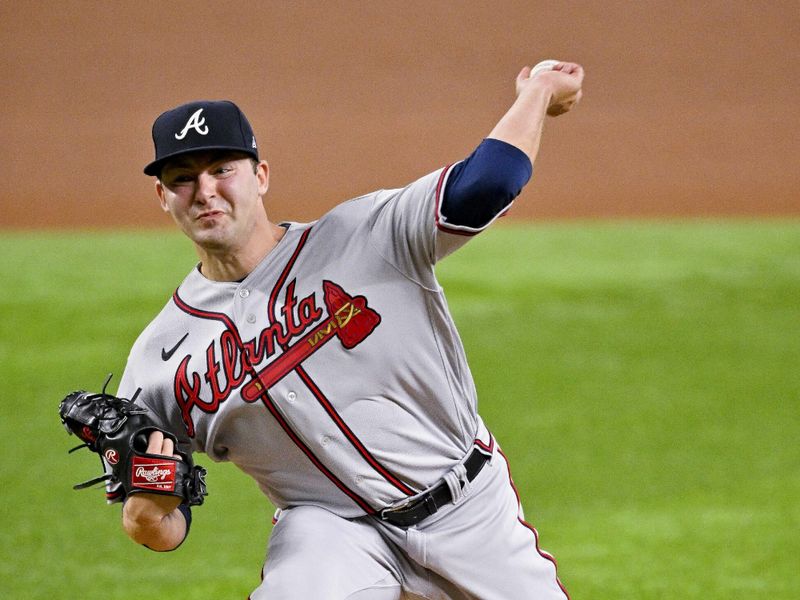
pixel 206 187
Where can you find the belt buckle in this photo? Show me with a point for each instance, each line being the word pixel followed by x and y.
pixel 404 503
pixel 383 513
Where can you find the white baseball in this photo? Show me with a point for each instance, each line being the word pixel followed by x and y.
pixel 545 65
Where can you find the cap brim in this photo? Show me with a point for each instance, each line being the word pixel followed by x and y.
pixel 154 168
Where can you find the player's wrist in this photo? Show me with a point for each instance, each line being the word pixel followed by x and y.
pixel 539 91
pixel 148 510
pixel 153 529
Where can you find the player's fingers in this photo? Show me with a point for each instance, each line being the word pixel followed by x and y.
pixel 566 67
pixel 573 69
pixel 167 447
pixel 155 442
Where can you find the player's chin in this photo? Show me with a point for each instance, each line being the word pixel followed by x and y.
pixel 212 236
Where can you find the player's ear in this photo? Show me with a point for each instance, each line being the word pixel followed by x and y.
pixel 160 194
pixel 262 174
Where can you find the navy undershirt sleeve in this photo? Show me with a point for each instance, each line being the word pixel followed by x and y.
pixel 483 185
pixel 187 514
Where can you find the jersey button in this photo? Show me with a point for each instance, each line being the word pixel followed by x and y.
pixel 325 440
pixel 291 396
pixel 251 318
pixel 244 293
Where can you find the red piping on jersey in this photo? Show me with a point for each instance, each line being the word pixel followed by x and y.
pixel 488 448
pixel 206 314
pixel 285 273
pixel 541 552
pixel 270 404
pixel 357 444
pixel 321 398
pixel 271 315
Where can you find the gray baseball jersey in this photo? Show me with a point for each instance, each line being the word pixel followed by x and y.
pixel 333 373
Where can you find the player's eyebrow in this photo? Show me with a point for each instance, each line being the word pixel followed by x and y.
pixel 207 159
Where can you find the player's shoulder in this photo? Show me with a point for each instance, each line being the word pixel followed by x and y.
pixel 349 214
pixel 353 207
pixel 365 205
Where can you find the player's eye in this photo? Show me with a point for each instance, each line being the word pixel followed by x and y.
pixel 177 180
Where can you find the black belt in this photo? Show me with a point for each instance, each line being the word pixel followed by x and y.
pixel 435 498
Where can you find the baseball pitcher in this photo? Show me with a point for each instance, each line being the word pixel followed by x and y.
pixel 321 359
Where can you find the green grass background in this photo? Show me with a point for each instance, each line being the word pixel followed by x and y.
pixel 642 377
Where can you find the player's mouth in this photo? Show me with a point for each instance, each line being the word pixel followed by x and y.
pixel 209 214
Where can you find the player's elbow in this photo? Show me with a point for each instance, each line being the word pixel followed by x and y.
pixel 492 191
pixel 485 184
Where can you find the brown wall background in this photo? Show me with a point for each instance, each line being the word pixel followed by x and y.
pixel 690 107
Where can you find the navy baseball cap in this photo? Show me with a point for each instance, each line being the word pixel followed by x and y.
pixel 200 125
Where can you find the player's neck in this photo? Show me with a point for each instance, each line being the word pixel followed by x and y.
pixel 234 264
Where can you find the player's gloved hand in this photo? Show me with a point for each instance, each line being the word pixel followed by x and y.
pixel 564 83
pixel 119 431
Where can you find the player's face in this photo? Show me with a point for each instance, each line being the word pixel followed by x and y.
pixel 215 197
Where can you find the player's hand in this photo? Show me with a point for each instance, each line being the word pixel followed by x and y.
pixel 154 506
pixel 564 83
pixel 144 515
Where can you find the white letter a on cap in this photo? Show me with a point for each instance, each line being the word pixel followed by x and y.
pixel 194 122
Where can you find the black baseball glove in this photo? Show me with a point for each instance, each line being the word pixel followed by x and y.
pixel 117 429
